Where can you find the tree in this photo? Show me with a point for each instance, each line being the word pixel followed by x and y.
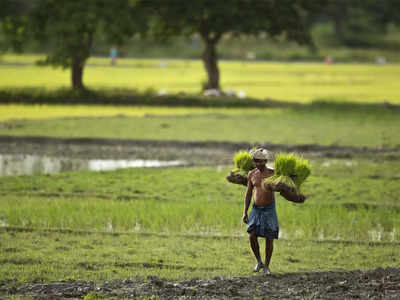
pixel 212 19
pixel 71 27
pixel 359 23
pixel 14 24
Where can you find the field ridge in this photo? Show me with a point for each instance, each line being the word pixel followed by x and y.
pixel 227 145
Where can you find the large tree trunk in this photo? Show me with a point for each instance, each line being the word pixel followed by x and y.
pixel 210 61
pixel 79 60
pixel 77 74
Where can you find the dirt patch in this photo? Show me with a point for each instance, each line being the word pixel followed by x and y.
pixel 194 152
pixel 372 284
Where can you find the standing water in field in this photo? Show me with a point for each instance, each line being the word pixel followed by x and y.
pixel 19 164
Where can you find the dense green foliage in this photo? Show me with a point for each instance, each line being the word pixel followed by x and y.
pixel 213 19
pixel 71 28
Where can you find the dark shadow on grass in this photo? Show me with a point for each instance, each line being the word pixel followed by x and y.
pixel 127 97
pixel 322 105
pixel 132 97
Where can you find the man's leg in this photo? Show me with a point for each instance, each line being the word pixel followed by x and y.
pixel 256 250
pixel 269 248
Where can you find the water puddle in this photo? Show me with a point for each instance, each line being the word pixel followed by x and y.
pixel 21 164
pixel 347 163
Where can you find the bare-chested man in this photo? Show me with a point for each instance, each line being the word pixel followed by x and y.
pixel 263 220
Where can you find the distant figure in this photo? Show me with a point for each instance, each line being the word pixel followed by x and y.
pixel 250 55
pixel 329 60
pixel 381 60
pixel 113 55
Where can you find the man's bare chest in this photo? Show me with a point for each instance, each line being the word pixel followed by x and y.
pixel 257 179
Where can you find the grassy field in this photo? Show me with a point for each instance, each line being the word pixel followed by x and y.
pixel 182 223
pixel 318 123
pixel 301 82
pixel 178 222
pixel 47 256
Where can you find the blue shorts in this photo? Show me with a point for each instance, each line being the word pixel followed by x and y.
pixel 264 220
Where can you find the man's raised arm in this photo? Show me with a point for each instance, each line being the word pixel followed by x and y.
pixel 247 200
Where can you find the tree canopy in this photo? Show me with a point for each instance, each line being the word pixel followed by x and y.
pixel 212 19
pixel 71 27
pixel 14 23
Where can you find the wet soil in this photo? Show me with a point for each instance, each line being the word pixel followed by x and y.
pixel 371 284
pixel 193 152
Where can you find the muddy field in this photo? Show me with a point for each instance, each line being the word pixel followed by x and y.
pixel 373 284
pixel 194 153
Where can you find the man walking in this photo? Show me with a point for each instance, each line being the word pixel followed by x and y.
pixel 263 220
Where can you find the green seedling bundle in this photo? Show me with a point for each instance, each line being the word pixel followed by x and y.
pixel 291 170
pixel 243 163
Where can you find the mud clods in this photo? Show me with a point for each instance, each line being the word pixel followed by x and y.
pixel 372 284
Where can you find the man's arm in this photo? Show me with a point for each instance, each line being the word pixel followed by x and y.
pixel 247 199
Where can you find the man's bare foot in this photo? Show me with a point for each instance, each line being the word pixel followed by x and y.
pixel 267 271
pixel 258 267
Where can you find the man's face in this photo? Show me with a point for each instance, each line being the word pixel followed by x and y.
pixel 260 163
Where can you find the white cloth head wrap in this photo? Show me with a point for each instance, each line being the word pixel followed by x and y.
pixel 260 153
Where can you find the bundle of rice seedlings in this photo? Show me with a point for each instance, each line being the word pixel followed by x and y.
pixel 243 162
pixel 301 171
pixel 290 170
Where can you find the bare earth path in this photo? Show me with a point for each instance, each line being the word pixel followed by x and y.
pixel 372 284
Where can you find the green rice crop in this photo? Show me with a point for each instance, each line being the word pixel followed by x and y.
pixel 290 169
pixel 302 171
pixel 285 164
pixel 243 162
pixel 126 201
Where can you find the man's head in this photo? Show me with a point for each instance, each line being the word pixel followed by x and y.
pixel 260 157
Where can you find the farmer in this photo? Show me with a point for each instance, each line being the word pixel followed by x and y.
pixel 263 220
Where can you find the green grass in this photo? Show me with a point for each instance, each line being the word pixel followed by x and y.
pixel 302 82
pixel 45 256
pixel 41 112
pixel 318 123
pixel 134 222
pixel 186 222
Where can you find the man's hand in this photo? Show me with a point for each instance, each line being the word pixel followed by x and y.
pixel 245 219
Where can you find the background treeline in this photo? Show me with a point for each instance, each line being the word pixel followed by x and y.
pixel 69 32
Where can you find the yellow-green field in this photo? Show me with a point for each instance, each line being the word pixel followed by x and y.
pixel 37 112
pixel 301 82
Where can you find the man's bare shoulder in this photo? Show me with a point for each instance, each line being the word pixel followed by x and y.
pixel 251 172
